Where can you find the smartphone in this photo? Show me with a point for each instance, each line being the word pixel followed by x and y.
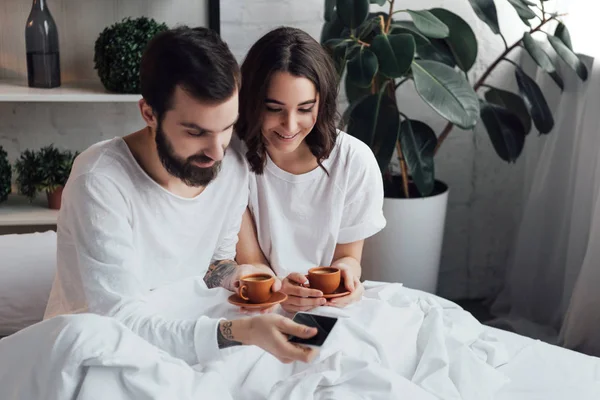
pixel 323 324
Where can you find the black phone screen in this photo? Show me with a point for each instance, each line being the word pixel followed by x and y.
pixel 324 326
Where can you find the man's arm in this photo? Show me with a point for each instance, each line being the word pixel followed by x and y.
pixel 98 262
pixel 222 273
pixel 249 258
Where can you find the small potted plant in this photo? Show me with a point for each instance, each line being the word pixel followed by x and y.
pixel 46 170
pixel 5 175
pixel 118 53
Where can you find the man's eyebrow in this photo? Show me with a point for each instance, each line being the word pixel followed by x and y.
pixel 312 101
pixel 197 127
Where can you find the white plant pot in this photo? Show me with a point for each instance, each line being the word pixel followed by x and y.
pixel 408 249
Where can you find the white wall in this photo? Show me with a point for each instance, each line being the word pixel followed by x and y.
pixel 485 197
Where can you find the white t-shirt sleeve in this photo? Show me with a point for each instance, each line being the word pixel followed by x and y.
pixel 96 216
pixel 229 234
pixel 363 207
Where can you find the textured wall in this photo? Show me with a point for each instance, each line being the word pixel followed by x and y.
pixel 485 193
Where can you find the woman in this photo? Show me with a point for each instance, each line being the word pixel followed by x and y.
pixel 316 193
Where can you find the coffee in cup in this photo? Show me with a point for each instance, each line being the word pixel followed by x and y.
pixel 325 279
pixel 256 288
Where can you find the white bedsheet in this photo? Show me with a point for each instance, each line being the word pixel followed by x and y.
pixel 396 343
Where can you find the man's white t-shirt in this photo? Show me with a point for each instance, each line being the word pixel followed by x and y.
pixel 301 218
pixel 121 235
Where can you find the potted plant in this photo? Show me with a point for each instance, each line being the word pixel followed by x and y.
pixel 118 53
pixel 46 170
pixel 376 55
pixel 5 176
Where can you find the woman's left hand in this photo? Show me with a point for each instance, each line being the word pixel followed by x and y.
pixel 353 285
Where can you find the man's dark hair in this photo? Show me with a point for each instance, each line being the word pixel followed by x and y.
pixel 196 59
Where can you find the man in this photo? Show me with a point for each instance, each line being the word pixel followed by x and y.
pixel 164 203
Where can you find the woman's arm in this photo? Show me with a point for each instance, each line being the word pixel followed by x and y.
pixel 248 250
pixel 347 258
pixel 349 255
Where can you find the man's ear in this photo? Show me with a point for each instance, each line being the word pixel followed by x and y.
pixel 148 114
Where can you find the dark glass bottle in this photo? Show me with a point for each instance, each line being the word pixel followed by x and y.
pixel 41 40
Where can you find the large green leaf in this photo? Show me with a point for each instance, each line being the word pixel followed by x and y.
pixel 363 67
pixel 429 24
pixel 511 102
pixel 395 53
pixel 505 130
pixel 447 92
pixel 352 13
pixel 525 13
pixel 462 40
pixel 486 11
pixel 563 34
pixel 409 28
pixel 535 102
pixel 329 10
pixel 331 30
pixel 379 2
pixel 353 92
pixel 418 143
pixel 570 58
pixel 541 58
pixel 437 50
pixel 375 121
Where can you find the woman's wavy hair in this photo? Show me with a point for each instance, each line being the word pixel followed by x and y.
pixel 297 53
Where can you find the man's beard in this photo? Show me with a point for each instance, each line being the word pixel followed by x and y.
pixel 184 169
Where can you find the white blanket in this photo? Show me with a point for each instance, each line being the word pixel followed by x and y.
pixel 395 343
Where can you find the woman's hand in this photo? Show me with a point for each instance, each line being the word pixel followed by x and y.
pixel 300 297
pixel 352 284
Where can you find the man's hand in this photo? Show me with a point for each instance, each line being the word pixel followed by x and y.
pixel 300 298
pixel 269 332
pixel 352 284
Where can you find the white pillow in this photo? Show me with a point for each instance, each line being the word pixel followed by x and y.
pixel 27 267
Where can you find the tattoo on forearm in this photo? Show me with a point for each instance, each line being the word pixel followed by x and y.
pixel 225 336
pixel 219 272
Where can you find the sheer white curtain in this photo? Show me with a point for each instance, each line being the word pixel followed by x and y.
pixel 552 288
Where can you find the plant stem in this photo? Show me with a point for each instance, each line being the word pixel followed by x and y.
pixel 389 21
pixel 400 83
pixel 402 170
pixel 543 11
pixel 511 61
pixel 363 43
pixel 486 74
pixel 504 40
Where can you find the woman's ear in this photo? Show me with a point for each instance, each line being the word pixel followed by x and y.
pixel 148 114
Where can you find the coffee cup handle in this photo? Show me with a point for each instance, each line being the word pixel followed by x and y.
pixel 241 292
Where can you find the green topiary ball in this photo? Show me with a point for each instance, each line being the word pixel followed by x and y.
pixel 5 175
pixel 118 53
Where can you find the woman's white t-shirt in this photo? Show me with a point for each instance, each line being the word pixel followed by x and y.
pixel 301 218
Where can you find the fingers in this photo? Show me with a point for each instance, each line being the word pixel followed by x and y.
pixel 298 278
pixel 289 327
pixel 293 289
pixel 348 280
pixel 305 301
pixel 276 287
pixel 351 298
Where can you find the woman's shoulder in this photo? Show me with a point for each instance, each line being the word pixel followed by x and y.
pixel 352 152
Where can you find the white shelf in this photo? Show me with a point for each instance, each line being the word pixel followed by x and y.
pixel 18 91
pixel 18 211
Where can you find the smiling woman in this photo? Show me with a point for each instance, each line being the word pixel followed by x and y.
pixel 316 193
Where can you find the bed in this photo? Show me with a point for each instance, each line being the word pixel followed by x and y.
pixel 396 343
